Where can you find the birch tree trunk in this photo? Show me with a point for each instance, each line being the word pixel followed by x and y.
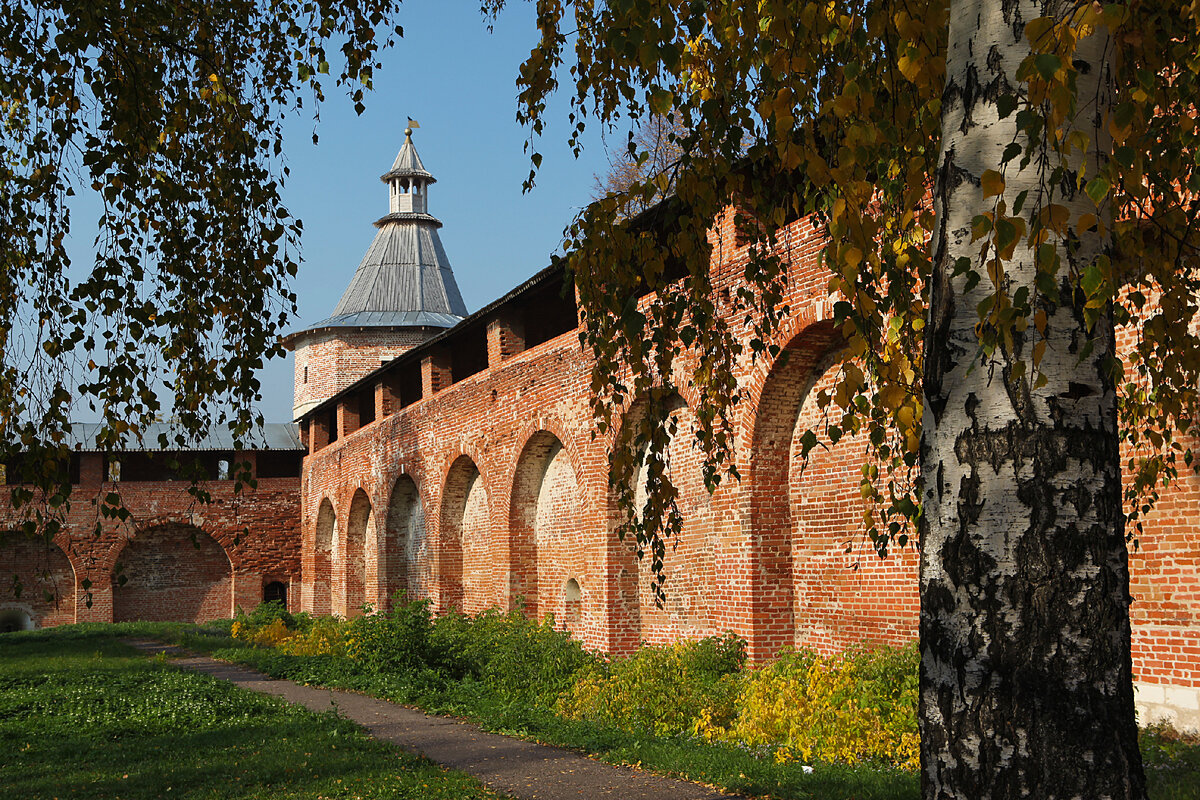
pixel 1026 686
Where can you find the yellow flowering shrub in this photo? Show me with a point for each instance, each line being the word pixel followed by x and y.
pixel 325 636
pixel 273 634
pixel 660 688
pixel 860 706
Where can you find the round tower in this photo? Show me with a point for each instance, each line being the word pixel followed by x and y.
pixel 402 293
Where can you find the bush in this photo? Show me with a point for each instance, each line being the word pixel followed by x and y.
pixel 268 625
pixel 393 642
pixel 325 636
pixel 659 689
pixel 854 707
pixel 518 659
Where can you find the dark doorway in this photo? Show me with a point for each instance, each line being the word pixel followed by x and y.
pixel 275 591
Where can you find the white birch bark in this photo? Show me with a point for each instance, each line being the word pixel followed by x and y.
pixel 1025 678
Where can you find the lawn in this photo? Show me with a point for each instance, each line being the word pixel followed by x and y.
pixel 83 716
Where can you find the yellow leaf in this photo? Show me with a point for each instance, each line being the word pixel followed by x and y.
pixel 993 183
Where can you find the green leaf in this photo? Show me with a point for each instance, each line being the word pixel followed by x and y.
pixel 661 101
pixel 1097 189
pixel 1091 280
pixel 1047 64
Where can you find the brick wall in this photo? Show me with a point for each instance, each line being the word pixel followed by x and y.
pixel 328 361
pixel 180 560
pixel 37 582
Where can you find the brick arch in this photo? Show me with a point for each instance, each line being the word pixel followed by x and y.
pixel 46 574
pixel 321 580
pixel 767 510
pixel 404 556
pixel 570 441
pixel 692 607
pixel 551 529
pixel 466 574
pixel 172 572
pixel 360 524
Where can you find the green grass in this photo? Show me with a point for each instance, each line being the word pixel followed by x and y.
pixel 731 768
pixel 83 716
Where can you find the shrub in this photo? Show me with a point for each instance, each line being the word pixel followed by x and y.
pixel 519 659
pixel 659 689
pixel 854 707
pixel 392 642
pixel 325 636
pixel 268 624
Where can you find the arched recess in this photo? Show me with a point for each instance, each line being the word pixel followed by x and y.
pixel 841 598
pixel 553 533
pixel 37 581
pixel 572 607
pixel 689 563
pixel 173 572
pixel 465 567
pixel 359 525
pixel 405 560
pixel 771 526
pixel 322 577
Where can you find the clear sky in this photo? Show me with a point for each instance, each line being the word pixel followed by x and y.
pixel 459 81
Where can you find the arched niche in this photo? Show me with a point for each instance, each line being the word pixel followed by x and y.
pixel 359 523
pixel 466 570
pixel 405 559
pixel 322 577
pixel 175 573
pixel 36 579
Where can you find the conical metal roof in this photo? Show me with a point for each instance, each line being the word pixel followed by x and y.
pixel 405 270
pixel 408 163
pixel 405 277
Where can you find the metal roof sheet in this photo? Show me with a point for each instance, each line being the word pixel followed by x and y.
pixel 271 436
pixel 388 319
pixel 405 269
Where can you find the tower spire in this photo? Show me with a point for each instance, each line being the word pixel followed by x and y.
pixel 402 293
pixel 408 180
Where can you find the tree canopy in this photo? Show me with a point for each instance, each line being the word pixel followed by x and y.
pixel 171 113
pixel 791 108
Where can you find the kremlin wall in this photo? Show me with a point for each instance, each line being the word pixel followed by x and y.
pixel 451 455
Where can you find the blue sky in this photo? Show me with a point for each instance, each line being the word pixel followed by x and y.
pixel 459 81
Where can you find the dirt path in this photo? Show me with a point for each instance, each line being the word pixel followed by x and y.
pixel 513 766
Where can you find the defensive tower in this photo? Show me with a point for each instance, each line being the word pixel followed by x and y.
pixel 402 293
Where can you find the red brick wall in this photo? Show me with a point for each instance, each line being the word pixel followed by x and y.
pixel 172 572
pixel 330 360
pixel 37 582
pixel 506 496
pixel 246 540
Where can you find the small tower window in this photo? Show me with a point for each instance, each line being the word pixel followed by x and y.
pixel 306 374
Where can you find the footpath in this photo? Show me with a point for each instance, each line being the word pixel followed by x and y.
pixel 512 766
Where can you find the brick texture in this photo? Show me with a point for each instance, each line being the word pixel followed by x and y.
pixel 173 559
